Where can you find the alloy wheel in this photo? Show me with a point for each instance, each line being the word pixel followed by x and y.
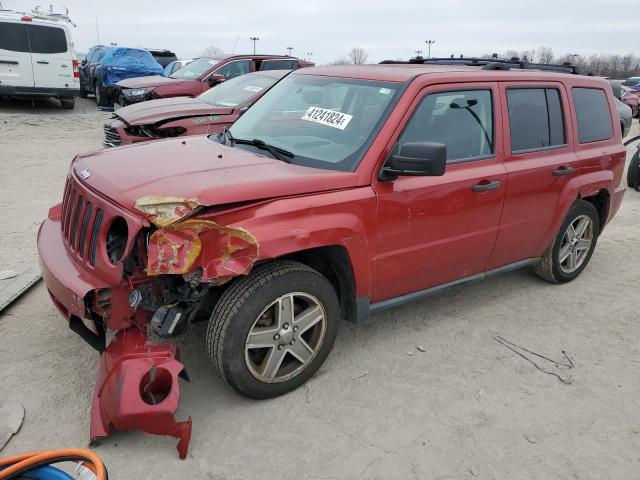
pixel 576 244
pixel 286 337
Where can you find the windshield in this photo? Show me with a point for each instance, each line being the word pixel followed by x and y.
pixel 632 82
pixel 237 91
pixel 196 68
pixel 325 122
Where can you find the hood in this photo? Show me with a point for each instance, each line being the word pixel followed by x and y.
pixel 166 109
pixel 197 168
pixel 149 82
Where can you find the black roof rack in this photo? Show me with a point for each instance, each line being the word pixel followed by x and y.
pixel 492 63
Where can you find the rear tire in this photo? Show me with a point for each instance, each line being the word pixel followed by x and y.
pixel 571 250
pixel 101 95
pixel 271 331
pixel 83 92
pixel 633 173
pixel 68 103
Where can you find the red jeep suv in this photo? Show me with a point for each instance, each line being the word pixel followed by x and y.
pixel 344 191
pixel 200 75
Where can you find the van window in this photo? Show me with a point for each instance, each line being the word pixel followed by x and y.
pixel 47 39
pixel 13 37
pixel 535 119
pixel 461 120
pixel 592 112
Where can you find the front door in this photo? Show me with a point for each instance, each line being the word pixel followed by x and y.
pixel 433 230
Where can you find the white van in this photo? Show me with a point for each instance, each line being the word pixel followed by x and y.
pixel 37 58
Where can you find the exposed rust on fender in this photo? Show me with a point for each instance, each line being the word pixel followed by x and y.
pixel 228 252
pixel 162 210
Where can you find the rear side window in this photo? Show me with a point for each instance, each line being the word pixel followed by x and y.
pixel 535 119
pixel 461 120
pixel 47 39
pixel 278 65
pixel 592 112
pixel 13 37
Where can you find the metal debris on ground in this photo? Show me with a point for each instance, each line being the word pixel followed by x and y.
pixel 523 353
pixel 421 349
pixel 11 417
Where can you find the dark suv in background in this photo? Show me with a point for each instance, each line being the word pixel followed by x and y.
pixel 200 75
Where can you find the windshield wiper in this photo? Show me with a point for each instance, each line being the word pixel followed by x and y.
pixel 277 152
pixel 226 133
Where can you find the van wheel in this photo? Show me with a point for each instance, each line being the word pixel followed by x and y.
pixel 633 173
pixel 271 331
pixel 572 248
pixel 68 103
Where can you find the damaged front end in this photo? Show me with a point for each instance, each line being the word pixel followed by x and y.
pixel 111 273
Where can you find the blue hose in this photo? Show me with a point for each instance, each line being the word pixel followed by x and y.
pixel 46 473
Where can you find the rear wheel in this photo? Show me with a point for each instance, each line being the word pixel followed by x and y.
pixel 68 103
pixel 271 331
pixel 633 173
pixel 100 94
pixel 572 248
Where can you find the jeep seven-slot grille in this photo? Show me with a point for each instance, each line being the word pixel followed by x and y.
pixel 81 221
pixel 111 136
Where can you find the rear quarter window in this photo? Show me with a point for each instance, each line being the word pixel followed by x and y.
pixel 47 39
pixel 13 37
pixel 593 115
pixel 278 65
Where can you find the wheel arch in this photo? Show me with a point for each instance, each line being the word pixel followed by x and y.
pixel 601 201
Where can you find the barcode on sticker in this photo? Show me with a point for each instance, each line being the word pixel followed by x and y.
pixel 327 117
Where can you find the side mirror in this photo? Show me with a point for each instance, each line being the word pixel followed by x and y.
pixel 416 159
pixel 84 61
pixel 215 79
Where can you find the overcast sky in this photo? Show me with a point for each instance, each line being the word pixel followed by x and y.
pixel 329 28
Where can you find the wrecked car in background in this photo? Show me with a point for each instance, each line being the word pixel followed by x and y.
pixel 210 112
pixel 200 75
pixel 342 192
pixel 111 65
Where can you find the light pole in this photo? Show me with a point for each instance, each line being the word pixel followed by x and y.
pixel 290 50
pixel 254 40
pixel 309 55
pixel 429 43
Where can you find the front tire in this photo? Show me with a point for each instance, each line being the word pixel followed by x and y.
pixel 633 173
pixel 572 248
pixel 271 331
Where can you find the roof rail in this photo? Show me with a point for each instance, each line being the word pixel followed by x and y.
pixel 39 14
pixel 492 63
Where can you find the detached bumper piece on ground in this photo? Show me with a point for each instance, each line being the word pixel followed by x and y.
pixel 137 387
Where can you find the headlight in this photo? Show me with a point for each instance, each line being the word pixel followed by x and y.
pixel 135 93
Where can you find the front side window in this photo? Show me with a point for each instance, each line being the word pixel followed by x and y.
pixel 47 39
pixel 237 91
pixel 195 69
pixel 592 112
pixel 325 122
pixel 461 120
pixel 13 37
pixel 234 69
pixel 535 119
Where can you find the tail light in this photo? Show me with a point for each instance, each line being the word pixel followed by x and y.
pixel 26 19
pixel 76 72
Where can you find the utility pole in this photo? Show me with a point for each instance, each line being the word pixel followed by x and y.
pixel 254 40
pixel 290 50
pixel 97 30
pixel 429 43
pixel 309 55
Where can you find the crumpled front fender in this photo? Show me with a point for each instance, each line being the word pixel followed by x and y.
pixel 137 388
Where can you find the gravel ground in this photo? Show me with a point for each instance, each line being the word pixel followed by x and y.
pixel 465 407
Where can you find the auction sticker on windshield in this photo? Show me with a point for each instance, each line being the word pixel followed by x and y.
pixel 327 117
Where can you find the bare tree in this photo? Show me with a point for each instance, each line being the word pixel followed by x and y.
pixel 358 55
pixel 544 55
pixel 211 51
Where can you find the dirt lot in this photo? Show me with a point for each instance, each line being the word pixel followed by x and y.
pixel 466 407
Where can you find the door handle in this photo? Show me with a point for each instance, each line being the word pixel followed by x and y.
pixel 562 171
pixel 9 62
pixel 43 62
pixel 485 187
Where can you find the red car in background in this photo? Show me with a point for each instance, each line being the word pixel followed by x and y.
pixel 631 99
pixel 199 76
pixel 210 112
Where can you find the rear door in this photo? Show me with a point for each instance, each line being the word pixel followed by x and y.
pixel 15 59
pixel 51 57
pixel 539 155
pixel 278 64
